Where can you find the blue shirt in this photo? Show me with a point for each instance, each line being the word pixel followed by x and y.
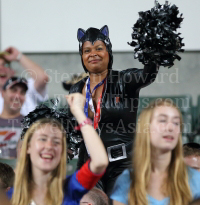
pixel 122 185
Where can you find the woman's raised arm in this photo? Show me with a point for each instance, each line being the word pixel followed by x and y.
pixel 95 147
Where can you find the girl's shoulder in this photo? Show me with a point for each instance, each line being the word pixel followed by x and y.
pixel 126 175
pixel 121 187
pixel 124 178
pixel 193 174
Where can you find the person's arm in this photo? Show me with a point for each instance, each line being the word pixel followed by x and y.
pixel 98 155
pixel 82 156
pixel 139 78
pixel 36 72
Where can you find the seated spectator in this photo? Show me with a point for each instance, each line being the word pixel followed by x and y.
pixel 95 197
pixel 7 176
pixel 191 153
pixel 36 84
pixel 159 175
pixel 13 94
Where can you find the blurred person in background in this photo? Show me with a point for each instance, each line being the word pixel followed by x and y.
pixel 13 94
pixel 7 176
pixel 191 152
pixel 36 83
pixel 95 197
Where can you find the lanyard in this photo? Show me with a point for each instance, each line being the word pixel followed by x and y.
pixel 89 96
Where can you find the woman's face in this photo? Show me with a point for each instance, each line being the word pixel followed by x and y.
pixel 165 128
pixel 45 148
pixel 95 57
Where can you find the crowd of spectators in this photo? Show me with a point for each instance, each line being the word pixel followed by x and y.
pixel 163 160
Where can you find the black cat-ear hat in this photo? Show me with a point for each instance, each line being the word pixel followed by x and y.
pixel 93 35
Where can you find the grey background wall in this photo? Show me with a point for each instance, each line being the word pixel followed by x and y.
pixel 182 78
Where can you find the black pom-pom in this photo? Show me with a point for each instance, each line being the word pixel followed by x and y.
pixel 154 35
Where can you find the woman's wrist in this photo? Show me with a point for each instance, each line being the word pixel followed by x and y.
pixel 79 115
pixel 87 121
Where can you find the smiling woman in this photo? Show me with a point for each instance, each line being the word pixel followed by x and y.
pixel 41 170
pixel 112 100
pixel 46 145
pixel 39 156
pixel 95 57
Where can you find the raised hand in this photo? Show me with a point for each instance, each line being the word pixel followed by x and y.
pixel 76 102
pixel 13 54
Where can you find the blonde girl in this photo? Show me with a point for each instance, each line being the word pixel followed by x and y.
pixel 159 175
pixel 41 170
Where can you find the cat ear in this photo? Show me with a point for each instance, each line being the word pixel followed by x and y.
pixel 104 30
pixel 80 33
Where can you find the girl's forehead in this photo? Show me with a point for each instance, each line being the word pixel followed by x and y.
pixel 49 129
pixel 168 111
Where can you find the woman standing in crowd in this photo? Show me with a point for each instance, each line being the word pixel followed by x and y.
pixel 111 100
pixel 159 175
pixel 41 170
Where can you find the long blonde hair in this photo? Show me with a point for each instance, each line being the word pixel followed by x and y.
pixel 177 187
pixel 23 185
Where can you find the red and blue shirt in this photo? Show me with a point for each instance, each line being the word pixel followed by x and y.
pixel 76 185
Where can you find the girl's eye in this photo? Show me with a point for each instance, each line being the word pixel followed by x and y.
pixel 176 123
pixel 162 121
pixel 99 49
pixel 42 139
pixel 57 142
